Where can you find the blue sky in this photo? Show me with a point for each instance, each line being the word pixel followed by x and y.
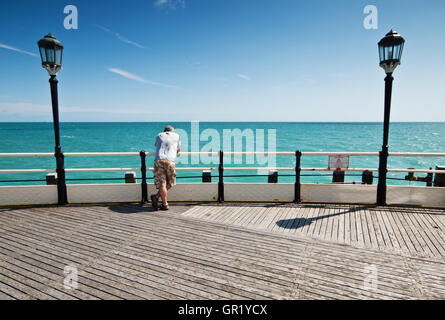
pixel 222 60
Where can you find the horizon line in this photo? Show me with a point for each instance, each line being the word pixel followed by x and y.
pixel 215 121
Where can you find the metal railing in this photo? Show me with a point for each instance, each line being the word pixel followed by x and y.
pixel 221 168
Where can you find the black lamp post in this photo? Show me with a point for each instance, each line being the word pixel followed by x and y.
pixel 390 52
pixel 51 54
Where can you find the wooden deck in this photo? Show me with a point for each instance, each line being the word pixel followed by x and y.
pixel 251 251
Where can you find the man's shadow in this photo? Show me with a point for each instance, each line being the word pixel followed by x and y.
pixel 130 208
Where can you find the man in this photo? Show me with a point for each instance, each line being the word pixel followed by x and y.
pixel 167 148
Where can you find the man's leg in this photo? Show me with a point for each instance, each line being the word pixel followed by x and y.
pixel 159 182
pixel 170 180
pixel 163 193
pixel 159 191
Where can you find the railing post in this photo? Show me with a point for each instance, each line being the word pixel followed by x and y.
pixel 381 187
pixel 144 178
pixel 61 184
pixel 383 159
pixel 221 178
pixel 297 187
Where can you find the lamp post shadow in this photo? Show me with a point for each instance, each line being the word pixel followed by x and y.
pixel 297 223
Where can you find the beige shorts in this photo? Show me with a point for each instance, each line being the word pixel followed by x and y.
pixel 164 173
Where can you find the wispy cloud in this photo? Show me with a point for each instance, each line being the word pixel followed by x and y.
pixel 22 108
pixel 4 46
pixel 338 75
pixel 169 4
pixel 119 36
pixel 196 65
pixel 134 77
pixel 220 79
pixel 243 76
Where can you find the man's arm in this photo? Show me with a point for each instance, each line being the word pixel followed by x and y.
pixel 157 141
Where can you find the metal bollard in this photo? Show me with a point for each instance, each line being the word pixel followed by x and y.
pixel 130 177
pixel 51 178
pixel 367 177
pixel 439 179
pixel 206 176
pixel 338 176
pixel 273 176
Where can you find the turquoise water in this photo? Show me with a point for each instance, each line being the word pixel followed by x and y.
pixel 133 137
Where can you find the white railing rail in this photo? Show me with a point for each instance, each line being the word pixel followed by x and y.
pixel 226 168
pixel 114 154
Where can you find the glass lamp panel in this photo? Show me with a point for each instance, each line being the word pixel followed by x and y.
pixel 400 51
pixel 381 54
pixel 396 52
pixel 389 52
pixel 59 56
pixel 43 55
pixel 50 56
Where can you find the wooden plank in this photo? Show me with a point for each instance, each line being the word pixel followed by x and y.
pixel 201 213
pixel 397 222
pixel 295 215
pixel 36 269
pixel 308 228
pixel 420 231
pixel 365 229
pixel 360 229
pixel 395 236
pixel 299 221
pixel 256 217
pixel 338 212
pixel 314 229
pixel 327 226
pixel 342 228
pixel 13 292
pixel 374 231
pixel 282 219
pixel 243 215
pixel 241 211
pixel 233 215
pixel 384 235
pixel 292 216
pixel 431 231
pixel 353 228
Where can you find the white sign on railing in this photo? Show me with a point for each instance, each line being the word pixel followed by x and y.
pixel 338 161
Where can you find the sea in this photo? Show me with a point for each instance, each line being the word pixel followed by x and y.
pixel 215 136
